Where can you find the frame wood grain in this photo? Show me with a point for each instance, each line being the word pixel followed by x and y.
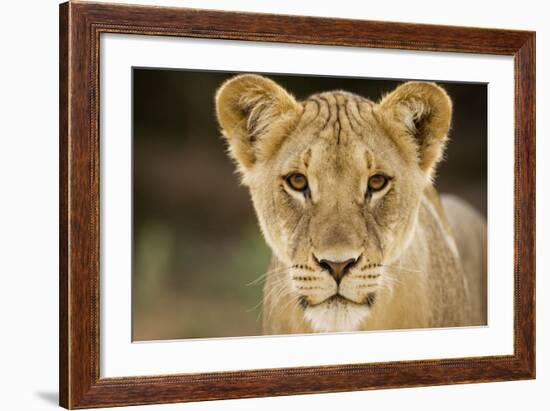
pixel 80 27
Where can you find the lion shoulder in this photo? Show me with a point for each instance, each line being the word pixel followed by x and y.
pixel 469 230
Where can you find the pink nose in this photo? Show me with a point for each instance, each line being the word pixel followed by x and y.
pixel 338 269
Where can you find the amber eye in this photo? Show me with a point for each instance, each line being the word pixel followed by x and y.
pixel 297 182
pixel 377 182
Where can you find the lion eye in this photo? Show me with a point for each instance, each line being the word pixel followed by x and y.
pixel 377 182
pixel 297 182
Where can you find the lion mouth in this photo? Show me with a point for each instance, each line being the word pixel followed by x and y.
pixel 339 299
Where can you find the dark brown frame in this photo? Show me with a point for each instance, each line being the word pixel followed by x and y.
pixel 80 27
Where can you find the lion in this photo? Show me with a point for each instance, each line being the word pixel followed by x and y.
pixel 343 189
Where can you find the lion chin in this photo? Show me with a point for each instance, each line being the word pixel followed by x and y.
pixel 336 314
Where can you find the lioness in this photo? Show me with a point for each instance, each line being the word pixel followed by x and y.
pixel 342 188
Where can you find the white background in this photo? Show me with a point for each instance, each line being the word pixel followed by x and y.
pixel 29 217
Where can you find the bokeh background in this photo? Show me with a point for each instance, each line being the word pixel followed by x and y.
pixel 197 245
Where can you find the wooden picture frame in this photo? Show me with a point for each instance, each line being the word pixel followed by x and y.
pixel 80 27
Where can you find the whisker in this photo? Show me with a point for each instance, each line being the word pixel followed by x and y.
pixel 276 288
pixel 269 272
pixel 290 303
pixel 249 310
pixel 293 303
pixel 283 294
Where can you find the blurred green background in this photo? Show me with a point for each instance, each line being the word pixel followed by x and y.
pixel 196 241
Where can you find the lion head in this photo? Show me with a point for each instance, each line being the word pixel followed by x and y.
pixel 336 181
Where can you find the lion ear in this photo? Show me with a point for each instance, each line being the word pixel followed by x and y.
pixel 423 111
pixel 255 115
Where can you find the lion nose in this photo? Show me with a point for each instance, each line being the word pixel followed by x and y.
pixel 338 269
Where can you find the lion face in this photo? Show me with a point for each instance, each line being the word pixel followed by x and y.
pixel 336 182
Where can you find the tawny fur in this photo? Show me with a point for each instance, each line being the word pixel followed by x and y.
pixel 421 261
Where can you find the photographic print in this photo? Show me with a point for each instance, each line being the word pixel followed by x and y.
pixel 241 193
pixel 270 204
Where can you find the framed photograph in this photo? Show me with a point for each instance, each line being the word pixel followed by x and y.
pixel 259 205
